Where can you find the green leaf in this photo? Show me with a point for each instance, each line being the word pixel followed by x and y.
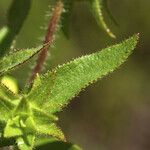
pixel 15 59
pixel 6 93
pixel 50 129
pixel 68 6
pixel 6 105
pixel 50 143
pixel 19 126
pixel 96 8
pixel 105 5
pixel 41 117
pixel 26 142
pixel 10 83
pixel 45 124
pixel 17 14
pixel 63 83
pixel 12 128
pixel 23 107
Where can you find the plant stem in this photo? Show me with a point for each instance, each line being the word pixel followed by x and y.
pixel 49 38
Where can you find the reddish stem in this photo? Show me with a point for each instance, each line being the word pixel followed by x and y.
pixel 49 38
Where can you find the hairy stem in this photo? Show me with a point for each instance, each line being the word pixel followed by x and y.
pixel 49 38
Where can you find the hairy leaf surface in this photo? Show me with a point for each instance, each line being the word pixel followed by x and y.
pixel 54 144
pixel 12 128
pixel 50 129
pixel 26 142
pixel 12 60
pixel 58 86
pixel 6 104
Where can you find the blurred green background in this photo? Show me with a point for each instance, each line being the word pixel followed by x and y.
pixel 114 113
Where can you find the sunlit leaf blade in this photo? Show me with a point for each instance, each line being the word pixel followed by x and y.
pixel 12 60
pixel 6 106
pixel 26 142
pixel 12 128
pixel 96 8
pixel 19 126
pixel 68 5
pixel 9 87
pixel 50 143
pixel 63 83
pixel 10 83
pixel 41 117
pixel 17 14
pixel 50 129
pixel 37 82
pixel 22 107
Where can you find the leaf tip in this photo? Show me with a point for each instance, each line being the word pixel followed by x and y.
pixel 135 38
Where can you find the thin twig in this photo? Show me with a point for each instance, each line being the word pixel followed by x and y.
pixel 49 38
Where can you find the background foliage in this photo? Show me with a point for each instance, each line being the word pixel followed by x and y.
pixel 109 113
